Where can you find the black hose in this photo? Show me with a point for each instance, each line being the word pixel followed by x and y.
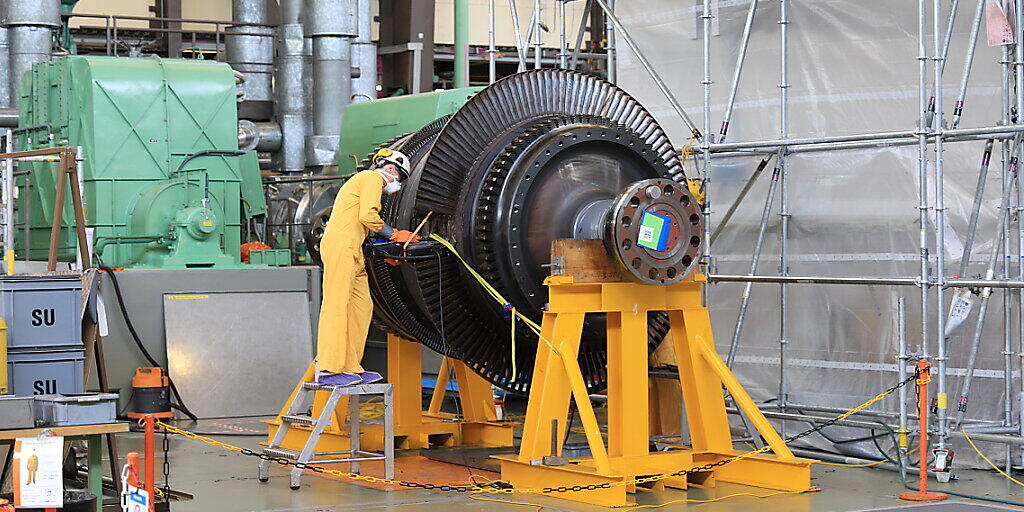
pixel 138 341
pixel 209 152
pixel 903 474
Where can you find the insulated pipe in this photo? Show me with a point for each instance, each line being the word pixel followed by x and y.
pixel 364 55
pixel 5 66
pixel 259 136
pixel 252 55
pixel 30 25
pixel 291 106
pixel 331 24
pixel 8 117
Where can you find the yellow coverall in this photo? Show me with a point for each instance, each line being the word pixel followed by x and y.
pixel 346 308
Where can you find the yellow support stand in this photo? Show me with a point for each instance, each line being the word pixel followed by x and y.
pixel 702 373
pixel 414 427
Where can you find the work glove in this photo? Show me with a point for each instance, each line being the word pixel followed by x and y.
pixel 402 236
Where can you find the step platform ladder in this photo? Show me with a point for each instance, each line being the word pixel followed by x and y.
pixel 299 415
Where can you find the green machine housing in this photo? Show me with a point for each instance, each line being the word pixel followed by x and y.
pixel 367 125
pixel 137 121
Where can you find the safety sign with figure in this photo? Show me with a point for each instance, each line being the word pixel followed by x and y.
pixel 38 478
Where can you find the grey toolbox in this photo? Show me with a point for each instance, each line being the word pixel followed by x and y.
pixel 42 311
pixel 75 409
pixel 46 372
pixel 16 412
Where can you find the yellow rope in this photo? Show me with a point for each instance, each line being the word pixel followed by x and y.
pixel 496 295
pixel 982 455
pixel 513 324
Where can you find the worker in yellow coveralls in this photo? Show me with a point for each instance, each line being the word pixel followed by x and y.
pixel 32 467
pixel 346 307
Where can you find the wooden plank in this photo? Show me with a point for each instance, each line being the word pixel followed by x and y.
pixel 74 431
pixel 585 260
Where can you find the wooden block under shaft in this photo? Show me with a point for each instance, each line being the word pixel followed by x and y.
pixel 585 260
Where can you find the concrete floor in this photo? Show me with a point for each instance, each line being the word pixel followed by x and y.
pixel 226 482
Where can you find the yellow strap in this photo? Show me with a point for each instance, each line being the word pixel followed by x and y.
pixel 513 323
pixel 496 295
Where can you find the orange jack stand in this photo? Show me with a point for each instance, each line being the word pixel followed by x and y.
pixel 924 376
pixel 414 427
pixel 557 379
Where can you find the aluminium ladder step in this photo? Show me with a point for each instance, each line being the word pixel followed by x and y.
pixel 298 419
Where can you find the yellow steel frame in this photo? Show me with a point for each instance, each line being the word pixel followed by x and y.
pixel 702 374
pixel 414 427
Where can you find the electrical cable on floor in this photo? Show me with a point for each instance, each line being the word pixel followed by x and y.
pixel 713 500
pixel 903 473
pixel 868 465
pixel 138 341
pixel 509 502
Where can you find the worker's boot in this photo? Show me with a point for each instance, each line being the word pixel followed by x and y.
pixel 370 377
pixel 338 379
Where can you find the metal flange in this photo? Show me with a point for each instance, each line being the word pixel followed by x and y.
pixel 653 231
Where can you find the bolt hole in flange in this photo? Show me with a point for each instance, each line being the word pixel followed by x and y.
pixel 659 241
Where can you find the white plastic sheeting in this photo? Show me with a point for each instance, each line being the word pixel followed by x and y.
pixel 853 68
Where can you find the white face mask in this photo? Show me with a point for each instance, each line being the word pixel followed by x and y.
pixel 392 187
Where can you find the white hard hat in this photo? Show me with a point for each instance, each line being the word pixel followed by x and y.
pixel 389 156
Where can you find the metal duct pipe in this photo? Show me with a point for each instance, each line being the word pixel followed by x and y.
pixel 331 24
pixel 252 55
pixel 291 105
pixel 8 116
pixel 30 25
pixel 5 61
pixel 259 136
pixel 364 56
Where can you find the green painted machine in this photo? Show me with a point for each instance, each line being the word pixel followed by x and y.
pixel 370 124
pixel 165 185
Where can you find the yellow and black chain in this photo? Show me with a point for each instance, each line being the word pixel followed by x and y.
pixel 506 488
